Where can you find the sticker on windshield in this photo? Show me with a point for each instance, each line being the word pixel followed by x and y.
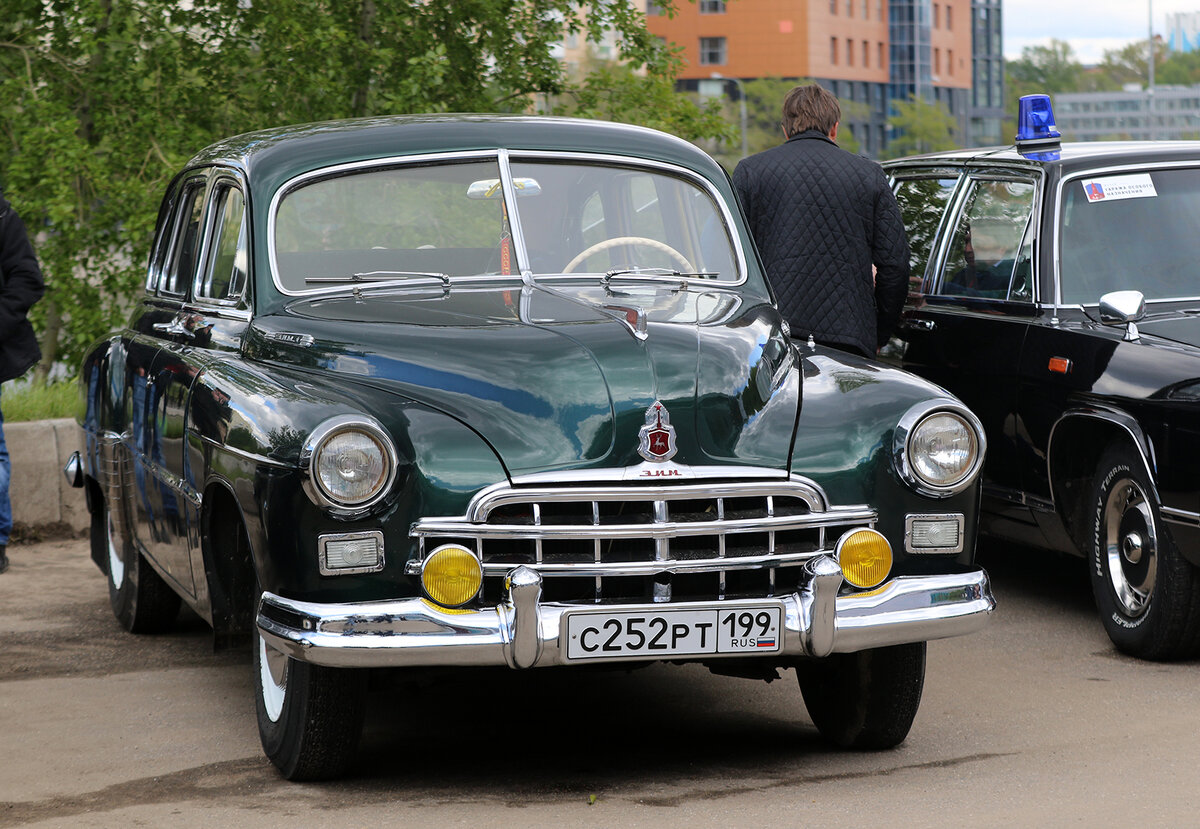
pixel 1115 188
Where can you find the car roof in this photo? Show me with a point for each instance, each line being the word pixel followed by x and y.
pixel 1066 157
pixel 283 152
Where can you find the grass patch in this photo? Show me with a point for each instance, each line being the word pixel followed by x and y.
pixel 27 401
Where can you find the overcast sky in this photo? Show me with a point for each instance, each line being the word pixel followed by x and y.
pixel 1090 26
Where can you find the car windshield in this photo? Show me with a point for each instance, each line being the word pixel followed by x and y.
pixel 451 220
pixel 1131 231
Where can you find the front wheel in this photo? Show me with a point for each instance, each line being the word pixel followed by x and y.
pixel 141 600
pixel 309 717
pixel 1147 594
pixel 867 699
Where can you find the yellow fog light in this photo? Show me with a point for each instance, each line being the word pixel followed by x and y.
pixel 452 576
pixel 865 557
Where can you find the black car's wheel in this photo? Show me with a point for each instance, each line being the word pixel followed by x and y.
pixel 140 599
pixel 309 717
pixel 866 699
pixel 1148 596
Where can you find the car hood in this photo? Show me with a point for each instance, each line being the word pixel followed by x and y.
pixel 565 378
pixel 1183 328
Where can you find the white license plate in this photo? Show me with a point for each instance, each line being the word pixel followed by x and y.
pixel 655 632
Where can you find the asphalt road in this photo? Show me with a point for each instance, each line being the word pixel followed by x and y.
pixel 1035 721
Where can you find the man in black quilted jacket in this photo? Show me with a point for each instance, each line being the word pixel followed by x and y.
pixel 822 217
pixel 20 286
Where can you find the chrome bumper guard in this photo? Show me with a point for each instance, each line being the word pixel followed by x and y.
pixel 524 632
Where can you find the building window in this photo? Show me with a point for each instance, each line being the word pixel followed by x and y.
pixel 833 6
pixel 950 20
pixel 880 63
pixel 712 51
pixel 712 6
pixel 833 50
pixel 950 61
pixel 866 54
pixel 937 61
pixel 849 8
pixel 653 9
pixel 849 52
pixel 936 15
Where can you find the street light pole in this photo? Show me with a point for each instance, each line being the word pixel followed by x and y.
pixel 1150 74
pixel 741 107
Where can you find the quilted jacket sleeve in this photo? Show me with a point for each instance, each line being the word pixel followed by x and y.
pixel 22 284
pixel 890 255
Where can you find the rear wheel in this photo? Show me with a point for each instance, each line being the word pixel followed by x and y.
pixel 309 717
pixel 867 699
pixel 140 599
pixel 1147 594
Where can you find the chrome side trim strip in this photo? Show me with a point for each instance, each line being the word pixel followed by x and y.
pixel 1181 516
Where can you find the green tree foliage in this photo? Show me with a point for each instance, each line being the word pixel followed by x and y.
pixel 101 101
pixel 921 128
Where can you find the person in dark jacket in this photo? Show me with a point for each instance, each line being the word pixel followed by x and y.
pixel 21 286
pixel 821 218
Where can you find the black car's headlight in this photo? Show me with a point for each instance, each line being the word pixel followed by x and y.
pixel 349 463
pixel 939 447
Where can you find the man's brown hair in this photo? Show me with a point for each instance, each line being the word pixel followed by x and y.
pixel 810 107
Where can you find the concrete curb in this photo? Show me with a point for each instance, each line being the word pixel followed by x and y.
pixel 40 493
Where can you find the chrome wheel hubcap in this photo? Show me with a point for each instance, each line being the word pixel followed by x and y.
pixel 272 678
pixel 1131 546
pixel 116 564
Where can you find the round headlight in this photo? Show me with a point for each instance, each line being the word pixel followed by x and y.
pixel 939 447
pixel 943 449
pixel 350 463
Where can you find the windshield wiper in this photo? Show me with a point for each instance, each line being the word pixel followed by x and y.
pixel 376 276
pixel 653 274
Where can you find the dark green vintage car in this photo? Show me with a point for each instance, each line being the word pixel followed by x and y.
pixel 453 391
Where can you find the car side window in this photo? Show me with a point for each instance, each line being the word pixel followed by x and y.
pixel 922 203
pixel 224 277
pixel 990 253
pixel 185 248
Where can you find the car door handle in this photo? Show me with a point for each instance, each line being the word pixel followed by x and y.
pixel 920 325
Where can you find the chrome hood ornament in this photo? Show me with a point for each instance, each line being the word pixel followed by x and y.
pixel 656 440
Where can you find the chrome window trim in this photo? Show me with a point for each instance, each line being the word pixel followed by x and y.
pixel 318 436
pixel 504 158
pixel 1094 172
pixel 967 182
pixel 219 177
pixel 903 432
pixel 198 175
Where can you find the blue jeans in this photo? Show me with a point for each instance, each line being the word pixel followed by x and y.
pixel 5 475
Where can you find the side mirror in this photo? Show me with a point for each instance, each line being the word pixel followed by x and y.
pixel 1123 308
pixel 489 188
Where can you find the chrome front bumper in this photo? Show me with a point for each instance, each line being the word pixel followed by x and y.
pixel 524 632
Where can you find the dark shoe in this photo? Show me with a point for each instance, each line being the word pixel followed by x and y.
pixel 3 558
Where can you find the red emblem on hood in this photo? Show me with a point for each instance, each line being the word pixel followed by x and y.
pixel 656 440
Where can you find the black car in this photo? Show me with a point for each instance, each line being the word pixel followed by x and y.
pixel 1056 291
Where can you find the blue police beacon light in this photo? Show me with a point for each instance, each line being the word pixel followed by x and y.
pixel 1035 122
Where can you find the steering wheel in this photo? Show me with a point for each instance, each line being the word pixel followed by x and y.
pixel 630 240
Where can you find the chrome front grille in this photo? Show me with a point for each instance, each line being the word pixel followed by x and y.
pixel 635 543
